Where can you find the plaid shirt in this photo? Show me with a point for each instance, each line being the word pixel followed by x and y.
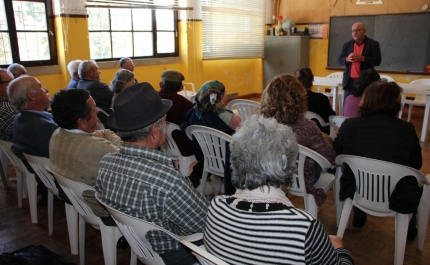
pixel 143 183
pixel 7 114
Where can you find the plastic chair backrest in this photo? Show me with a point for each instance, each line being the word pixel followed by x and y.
pixel 312 115
pixel 245 108
pixel 375 181
pixel 204 257
pixel 73 190
pixel 213 143
pixel 16 162
pixel 387 77
pixel 169 147
pixel 38 164
pixel 298 187
pixel 135 230
pixel 421 97
pixel 335 122
pixel 337 75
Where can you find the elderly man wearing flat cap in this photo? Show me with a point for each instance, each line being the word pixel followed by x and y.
pixel 141 181
pixel 170 85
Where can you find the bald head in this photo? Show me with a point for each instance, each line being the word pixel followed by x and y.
pixel 358 32
pixel 27 93
pixel 5 78
pixel 17 70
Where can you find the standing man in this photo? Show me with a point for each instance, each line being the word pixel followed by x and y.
pixel 89 74
pixel 358 54
pixel 141 181
pixel 7 111
pixel 127 63
pixel 73 67
pixel 17 70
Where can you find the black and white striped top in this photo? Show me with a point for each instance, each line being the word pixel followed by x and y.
pixel 278 236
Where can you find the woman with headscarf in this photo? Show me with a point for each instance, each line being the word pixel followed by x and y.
pixel 208 111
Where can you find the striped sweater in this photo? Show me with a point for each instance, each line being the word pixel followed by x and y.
pixel 286 236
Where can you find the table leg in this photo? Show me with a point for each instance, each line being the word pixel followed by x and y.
pixel 424 130
pixel 334 98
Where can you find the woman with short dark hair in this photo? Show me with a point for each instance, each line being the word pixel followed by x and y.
pixel 317 102
pixel 258 224
pixel 379 134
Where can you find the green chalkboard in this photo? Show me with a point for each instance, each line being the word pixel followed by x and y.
pixel 404 40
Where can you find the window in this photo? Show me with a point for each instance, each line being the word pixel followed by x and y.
pixel 26 33
pixel 136 33
pixel 233 28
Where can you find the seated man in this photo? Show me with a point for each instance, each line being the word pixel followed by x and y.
pixel 17 70
pixel 170 85
pixel 141 181
pixel 7 111
pixel 89 74
pixel 73 67
pixel 127 64
pixel 76 147
pixel 32 126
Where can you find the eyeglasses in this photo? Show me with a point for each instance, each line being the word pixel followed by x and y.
pixel 356 30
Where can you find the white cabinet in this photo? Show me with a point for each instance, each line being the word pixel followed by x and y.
pixel 284 54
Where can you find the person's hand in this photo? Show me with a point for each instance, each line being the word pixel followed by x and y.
pixel 354 57
pixel 336 241
pixel 98 134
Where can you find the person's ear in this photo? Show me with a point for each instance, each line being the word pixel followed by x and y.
pixel 31 96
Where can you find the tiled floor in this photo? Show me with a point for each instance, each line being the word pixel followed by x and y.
pixel 373 245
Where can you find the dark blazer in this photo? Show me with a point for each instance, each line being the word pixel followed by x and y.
pixel 320 104
pixel 32 131
pixel 101 94
pixel 371 52
pixel 381 137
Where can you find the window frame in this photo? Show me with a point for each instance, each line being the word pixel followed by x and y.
pixel 13 36
pixel 154 39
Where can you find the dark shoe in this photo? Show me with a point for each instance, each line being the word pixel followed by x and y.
pixel 122 243
pixel 358 222
pixel 412 233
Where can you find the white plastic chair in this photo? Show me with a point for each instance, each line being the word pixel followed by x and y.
pixel 387 77
pixel 335 75
pixel 22 171
pixel 420 99
pixel 375 181
pixel 204 257
pixel 312 115
pixel 335 122
pixel 212 142
pixel 3 170
pixel 189 94
pixel 245 108
pixel 325 181
pixel 135 230
pixel 110 234
pixel 170 148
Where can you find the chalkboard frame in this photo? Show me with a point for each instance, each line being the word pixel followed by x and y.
pixel 399 54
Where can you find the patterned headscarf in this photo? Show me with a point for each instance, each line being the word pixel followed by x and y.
pixel 207 97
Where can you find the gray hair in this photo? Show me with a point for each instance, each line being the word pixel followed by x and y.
pixel 121 77
pixel 263 152
pixel 123 61
pixel 15 69
pixel 85 67
pixel 17 92
pixel 140 134
pixel 73 67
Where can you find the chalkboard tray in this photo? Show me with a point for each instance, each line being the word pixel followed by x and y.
pixel 404 40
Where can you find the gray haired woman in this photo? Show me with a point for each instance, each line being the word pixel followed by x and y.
pixel 258 224
pixel 123 78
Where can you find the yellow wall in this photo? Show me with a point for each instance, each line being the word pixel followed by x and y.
pixel 319 11
pixel 239 76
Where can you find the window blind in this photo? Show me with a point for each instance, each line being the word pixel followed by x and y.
pixel 233 28
pixel 148 4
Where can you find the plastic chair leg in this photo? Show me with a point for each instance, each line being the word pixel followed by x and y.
pixel 4 178
pixel 73 228
pixel 110 235
pixel 310 205
pixel 133 258
pixel 401 226
pixel 24 186
pixel 411 107
pixel 32 196
pixel 346 211
pixel 422 216
pixel 4 162
pixel 19 187
pixel 337 202
pixel 203 182
pixel 50 213
pixel 81 240
pixel 184 167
